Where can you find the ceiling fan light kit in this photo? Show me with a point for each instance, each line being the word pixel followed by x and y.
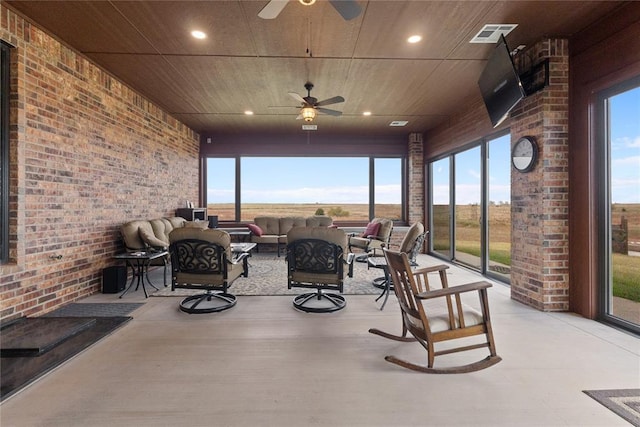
pixel 348 9
pixel 308 114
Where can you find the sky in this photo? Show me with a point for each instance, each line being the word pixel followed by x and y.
pixel 345 180
pixel 625 147
pixel 304 180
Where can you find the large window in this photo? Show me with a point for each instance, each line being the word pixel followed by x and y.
pixel 620 204
pixel 470 209
pixel 345 188
pixel 4 152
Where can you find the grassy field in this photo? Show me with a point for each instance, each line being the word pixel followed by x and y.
pixel 626 269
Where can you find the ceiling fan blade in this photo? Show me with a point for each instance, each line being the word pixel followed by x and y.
pixel 348 9
pixel 299 117
pixel 330 112
pixel 334 100
pixel 273 9
pixel 297 97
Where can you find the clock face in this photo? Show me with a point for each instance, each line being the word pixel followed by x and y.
pixel 524 154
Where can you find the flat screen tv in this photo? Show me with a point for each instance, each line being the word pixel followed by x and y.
pixel 500 84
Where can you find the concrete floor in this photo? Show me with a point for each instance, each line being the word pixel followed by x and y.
pixel 262 363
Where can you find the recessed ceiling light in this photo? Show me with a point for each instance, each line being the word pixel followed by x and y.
pixel 366 113
pixel 414 39
pixel 198 34
pixel 249 113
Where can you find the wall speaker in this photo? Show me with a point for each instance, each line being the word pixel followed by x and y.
pixel 114 279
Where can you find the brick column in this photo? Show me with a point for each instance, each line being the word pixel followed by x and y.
pixel 540 198
pixel 415 180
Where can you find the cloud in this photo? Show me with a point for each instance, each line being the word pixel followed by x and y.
pixel 474 174
pixel 626 142
pixel 631 160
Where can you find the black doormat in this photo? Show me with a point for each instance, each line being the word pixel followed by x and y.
pixel 18 372
pixel 624 402
pixel 113 309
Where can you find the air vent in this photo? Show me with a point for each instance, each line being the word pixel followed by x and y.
pixel 309 127
pixel 490 33
pixel 398 123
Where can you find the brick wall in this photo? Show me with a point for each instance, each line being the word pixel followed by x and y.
pixel 415 191
pixel 87 154
pixel 540 198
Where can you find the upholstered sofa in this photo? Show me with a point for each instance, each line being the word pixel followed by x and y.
pixel 273 229
pixel 154 233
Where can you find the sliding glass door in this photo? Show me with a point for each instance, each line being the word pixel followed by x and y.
pixel 470 207
pixel 440 238
pixel 620 204
pixel 499 207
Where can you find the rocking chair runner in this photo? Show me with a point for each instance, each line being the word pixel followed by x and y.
pixel 434 316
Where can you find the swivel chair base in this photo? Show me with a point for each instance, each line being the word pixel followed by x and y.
pixel 209 302
pixel 336 302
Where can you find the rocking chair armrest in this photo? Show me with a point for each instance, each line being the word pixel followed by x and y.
pixel 454 290
pixel 239 258
pixel 432 269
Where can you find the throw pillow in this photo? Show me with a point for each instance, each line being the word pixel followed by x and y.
pixel 255 229
pixel 372 230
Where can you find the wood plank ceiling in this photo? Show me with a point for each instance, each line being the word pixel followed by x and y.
pixel 248 63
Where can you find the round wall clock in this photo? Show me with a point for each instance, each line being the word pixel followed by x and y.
pixel 524 154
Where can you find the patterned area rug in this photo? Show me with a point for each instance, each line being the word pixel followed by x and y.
pixel 268 276
pixel 625 403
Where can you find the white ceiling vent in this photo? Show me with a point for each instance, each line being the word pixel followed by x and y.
pixel 490 33
pixel 309 127
pixel 398 123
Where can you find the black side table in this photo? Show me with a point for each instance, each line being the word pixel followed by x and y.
pixel 381 263
pixel 139 263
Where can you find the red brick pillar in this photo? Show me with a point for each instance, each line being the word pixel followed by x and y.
pixel 540 198
pixel 416 179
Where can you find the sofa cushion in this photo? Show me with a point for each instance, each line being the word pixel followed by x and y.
pixel 176 222
pixel 372 230
pixel 131 235
pixel 270 225
pixel 319 221
pixel 256 230
pixel 203 225
pixel 287 223
pixel 161 228
pixel 148 236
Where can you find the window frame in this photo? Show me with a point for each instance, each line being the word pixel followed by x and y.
pixel 484 203
pixel 5 163
pixel 370 173
pixel 603 168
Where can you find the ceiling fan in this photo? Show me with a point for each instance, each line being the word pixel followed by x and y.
pixel 348 9
pixel 311 105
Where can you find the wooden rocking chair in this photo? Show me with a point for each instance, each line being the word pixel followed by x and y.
pixel 434 316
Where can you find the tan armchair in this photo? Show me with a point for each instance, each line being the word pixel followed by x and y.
pixel 316 258
pixel 369 243
pixel 202 259
pixel 435 316
pixel 412 242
